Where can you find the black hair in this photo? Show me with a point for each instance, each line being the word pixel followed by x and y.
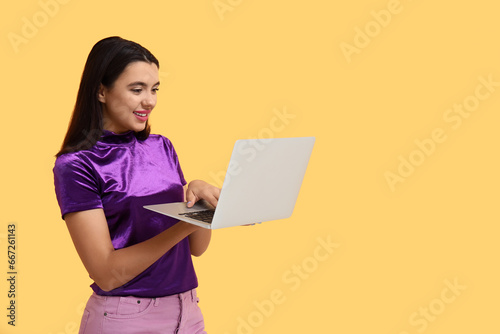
pixel 106 61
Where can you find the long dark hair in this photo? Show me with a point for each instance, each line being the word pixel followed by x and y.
pixel 107 60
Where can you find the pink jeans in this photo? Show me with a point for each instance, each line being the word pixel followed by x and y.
pixel 130 315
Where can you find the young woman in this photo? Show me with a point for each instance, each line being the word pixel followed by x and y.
pixel 108 168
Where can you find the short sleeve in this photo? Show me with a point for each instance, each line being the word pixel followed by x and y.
pixel 175 158
pixel 76 186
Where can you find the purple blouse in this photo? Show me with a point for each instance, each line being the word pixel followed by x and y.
pixel 121 174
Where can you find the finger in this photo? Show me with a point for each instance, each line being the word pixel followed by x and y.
pixel 253 224
pixel 217 193
pixel 210 195
pixel 212 200
pixel 190 198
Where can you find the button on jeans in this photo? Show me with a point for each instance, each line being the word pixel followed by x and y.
pixel 177 314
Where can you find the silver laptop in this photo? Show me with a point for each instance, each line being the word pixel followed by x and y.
pixel 262 183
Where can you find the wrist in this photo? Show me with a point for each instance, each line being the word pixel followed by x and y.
pixel 187 227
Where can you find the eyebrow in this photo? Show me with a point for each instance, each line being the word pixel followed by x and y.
pixel 140 83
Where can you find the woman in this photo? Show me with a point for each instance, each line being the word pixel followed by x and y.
pixel 108 168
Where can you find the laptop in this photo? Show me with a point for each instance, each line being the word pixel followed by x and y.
pixel 262 183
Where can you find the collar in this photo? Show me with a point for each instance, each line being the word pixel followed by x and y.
pixel 109 137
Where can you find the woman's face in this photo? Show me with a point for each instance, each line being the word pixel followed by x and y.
pixel 129 102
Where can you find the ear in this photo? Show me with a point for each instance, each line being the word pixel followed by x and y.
pixel 101 94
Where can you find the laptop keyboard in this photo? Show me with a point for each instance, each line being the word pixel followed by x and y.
pixel 205 216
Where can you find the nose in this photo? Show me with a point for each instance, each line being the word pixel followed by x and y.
pixel 149 101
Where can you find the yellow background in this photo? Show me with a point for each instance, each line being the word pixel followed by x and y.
pixel 224 75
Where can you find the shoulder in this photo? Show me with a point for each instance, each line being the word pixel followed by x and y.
pixel 73 161
pixel 67 159
pixel 159 140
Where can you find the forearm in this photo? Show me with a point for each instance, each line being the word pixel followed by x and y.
pixel 199 241
pixel 124 264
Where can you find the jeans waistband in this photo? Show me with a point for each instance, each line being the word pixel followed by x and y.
pixel 190 294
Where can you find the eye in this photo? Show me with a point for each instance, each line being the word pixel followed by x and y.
pixel 155 90
pixel 137 90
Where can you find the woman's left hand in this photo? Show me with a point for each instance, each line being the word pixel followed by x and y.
pixel 198 189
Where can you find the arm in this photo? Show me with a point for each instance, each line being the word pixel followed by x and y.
pixel 111 268
pixel 197 189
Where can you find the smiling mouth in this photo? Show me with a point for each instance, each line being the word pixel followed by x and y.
pixel 142 113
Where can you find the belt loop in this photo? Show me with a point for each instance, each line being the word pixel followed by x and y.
pixel 193 295
pixel 156 301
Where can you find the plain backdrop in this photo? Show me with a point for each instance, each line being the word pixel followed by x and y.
pixel 396 227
